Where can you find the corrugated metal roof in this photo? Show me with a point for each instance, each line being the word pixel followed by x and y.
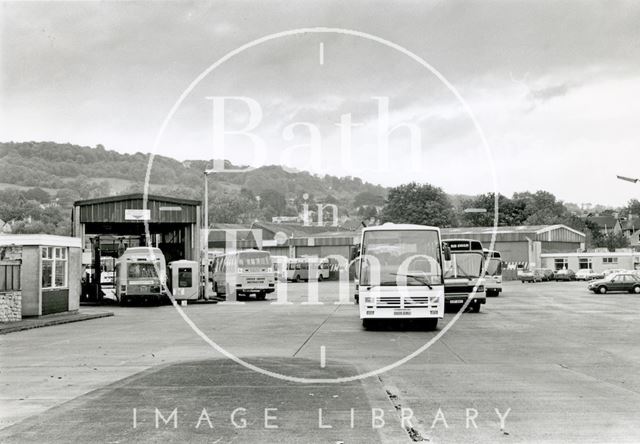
pixel 531 229
pixel 135 196
pixel 115 209
pixel 549 233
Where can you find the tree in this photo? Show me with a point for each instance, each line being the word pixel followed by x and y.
pixel 273 200
pixel 418 204
pixel 368 198
pixel 37 194
pixel 633 207
pixel 368 212
pixel 232 209
pixel 66 197
pixel 329 199
pixel 510 211
pixel 612 241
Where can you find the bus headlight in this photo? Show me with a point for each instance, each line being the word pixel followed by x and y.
pixel 368 300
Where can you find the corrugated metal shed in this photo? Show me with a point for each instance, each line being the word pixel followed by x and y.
pixel 162 209
pixel 545 233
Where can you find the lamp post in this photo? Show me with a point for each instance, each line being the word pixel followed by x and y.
pixel 204 252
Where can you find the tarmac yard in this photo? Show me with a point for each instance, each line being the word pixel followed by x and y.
pixel 544 362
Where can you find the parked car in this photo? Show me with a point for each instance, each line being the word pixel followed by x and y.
pixel 626 281
pixel 530 275
pixel 588 275
pixel 547 274
pixel 607 273
pixel 564 275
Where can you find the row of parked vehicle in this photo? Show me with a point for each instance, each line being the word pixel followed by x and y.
pixel 547 274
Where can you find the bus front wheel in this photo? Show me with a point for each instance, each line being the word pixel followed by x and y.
pixel 368 324
pixel 431 324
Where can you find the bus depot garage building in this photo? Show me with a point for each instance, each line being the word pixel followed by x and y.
pixel 523 246
pixel 118 222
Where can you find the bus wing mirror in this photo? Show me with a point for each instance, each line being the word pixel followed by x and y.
pixel 447 253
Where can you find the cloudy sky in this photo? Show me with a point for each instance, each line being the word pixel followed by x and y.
pixel 554 87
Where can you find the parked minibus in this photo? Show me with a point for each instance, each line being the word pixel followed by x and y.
pixel 140 274
pixel 308 268
pixel 243 273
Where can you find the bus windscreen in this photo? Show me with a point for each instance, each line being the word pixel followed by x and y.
pixel 141 270
pixel 464 265
pixel 389 257
pixel 254 259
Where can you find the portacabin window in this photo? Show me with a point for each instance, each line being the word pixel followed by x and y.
pixel 609 260
pixel 561 263
pixel 55 267
pixel 584 263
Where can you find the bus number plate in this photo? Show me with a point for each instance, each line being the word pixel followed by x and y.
pixel 402 312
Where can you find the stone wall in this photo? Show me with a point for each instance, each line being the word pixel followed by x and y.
pixel 10 306
pixel 10 295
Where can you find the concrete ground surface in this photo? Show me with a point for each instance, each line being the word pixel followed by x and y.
pixel 85 314
pixel 561 363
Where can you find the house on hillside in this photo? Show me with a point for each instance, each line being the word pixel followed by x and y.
pixel 634 240
pixel 631 229
pixel 630 225
pixel 5 227
pixel 606 224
